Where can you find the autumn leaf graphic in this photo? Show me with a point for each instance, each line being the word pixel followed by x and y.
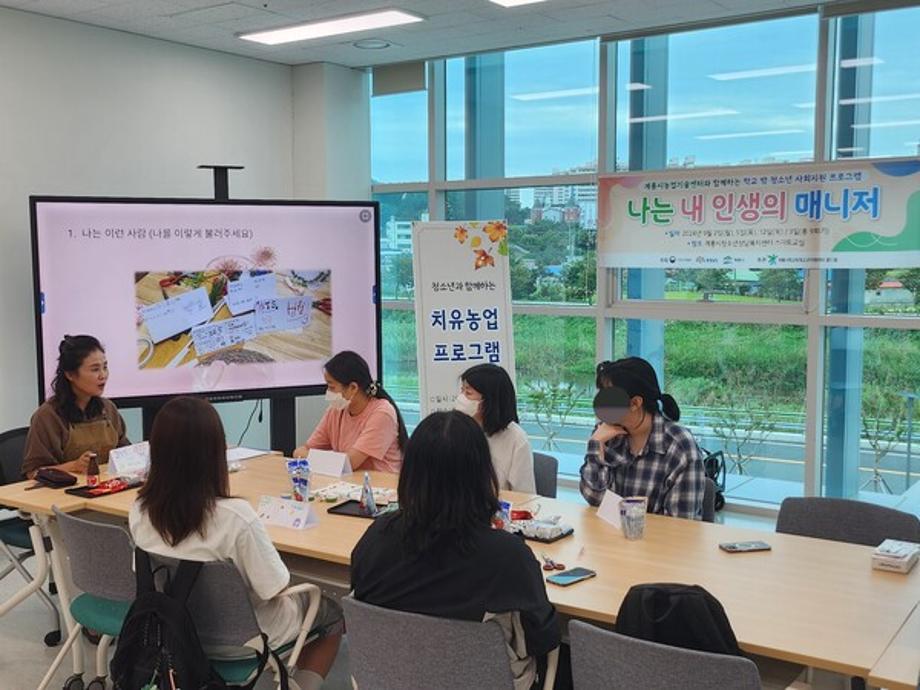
pixel 483 259
pixel 460 234
pixel 496 230
pixel 476 242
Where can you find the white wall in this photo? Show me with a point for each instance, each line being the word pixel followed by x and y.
pixel 88 111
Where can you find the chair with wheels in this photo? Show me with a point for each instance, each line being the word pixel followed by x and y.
pixel 14 531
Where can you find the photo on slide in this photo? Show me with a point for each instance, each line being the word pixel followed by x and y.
pixel 232 311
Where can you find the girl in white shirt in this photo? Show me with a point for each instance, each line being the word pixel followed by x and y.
pixel 185 511
pixel 487 395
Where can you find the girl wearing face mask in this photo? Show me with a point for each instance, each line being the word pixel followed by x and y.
pixel 75 424
pixel 362 420
pixel 487 395
pixel 647 453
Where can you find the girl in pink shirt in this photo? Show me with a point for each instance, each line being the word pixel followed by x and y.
pixel 362 420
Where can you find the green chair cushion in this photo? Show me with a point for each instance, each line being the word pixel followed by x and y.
pixel 237 671
pixel 102 615
pixel 15 532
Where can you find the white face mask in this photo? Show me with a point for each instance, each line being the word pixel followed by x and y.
pixel 336 400
pixel 466 406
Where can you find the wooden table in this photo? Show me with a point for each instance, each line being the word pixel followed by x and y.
pixel 899 667
pixel 808 601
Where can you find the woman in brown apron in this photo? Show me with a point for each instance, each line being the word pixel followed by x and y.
pixel 76 423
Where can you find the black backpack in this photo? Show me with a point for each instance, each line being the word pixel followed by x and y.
pixel 158 646
pixel 677 615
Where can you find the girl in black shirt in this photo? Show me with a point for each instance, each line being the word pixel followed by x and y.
pixel 439 556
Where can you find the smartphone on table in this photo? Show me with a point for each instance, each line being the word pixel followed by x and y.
pixel 570 577
pixel 744 546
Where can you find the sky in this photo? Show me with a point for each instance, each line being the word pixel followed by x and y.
pixel 739 94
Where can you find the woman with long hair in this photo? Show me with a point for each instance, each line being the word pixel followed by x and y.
pixel 185 511
pixel 362 420
pixel 647 453
pixel 439 555
pixel 76 424
pixel 487 395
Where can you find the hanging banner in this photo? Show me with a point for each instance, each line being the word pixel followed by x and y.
pixel 848 214
pixel 462 304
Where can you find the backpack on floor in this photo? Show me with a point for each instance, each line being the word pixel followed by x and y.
pixel 158 646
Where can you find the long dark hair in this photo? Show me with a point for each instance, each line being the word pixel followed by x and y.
pixel 637 377
pixel 447 486
pixel 499 402
pixel 188 468
pixel 71 353
pixel 349 367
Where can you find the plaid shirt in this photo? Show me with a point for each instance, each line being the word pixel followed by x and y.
pixel 669 471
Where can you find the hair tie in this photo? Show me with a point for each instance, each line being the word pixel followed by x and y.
pixel 373 388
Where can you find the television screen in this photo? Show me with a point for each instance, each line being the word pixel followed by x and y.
pixel 232 299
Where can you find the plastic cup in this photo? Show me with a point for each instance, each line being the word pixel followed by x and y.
pixel 632 517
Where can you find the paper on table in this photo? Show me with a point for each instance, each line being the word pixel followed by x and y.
pixel 243 293
pixel 609 510
pixel 283 313
pixel 176 314
pixel 129 460
pixel 284 513
pixel 240 453
pixel 328 462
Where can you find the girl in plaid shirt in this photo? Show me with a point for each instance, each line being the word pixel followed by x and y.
pixel 647 453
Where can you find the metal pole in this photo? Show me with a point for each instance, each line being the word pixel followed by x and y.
pixel 910 398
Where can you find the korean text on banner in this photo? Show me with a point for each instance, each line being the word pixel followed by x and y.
pixel 846 214
pixel 462 304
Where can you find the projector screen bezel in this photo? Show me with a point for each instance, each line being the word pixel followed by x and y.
pixel 215 396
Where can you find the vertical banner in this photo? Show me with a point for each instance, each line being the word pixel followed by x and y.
pixel 462 304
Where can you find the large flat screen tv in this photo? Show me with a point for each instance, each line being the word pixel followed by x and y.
pixel 227 299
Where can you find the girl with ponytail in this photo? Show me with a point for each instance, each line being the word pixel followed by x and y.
pixel 362 420
pixel 645 453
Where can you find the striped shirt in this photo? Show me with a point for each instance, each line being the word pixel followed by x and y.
pixel 669 471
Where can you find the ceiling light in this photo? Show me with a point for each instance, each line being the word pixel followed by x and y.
pixel 637 86
pixel 849 149
pixel 515 3
pixel 681 116
pixel 880 125
pixel 880 99
pixel 765 72
pixel 372 44
pixel 562 93
pixel 744 135
pixel 860 62
pixel 804 105
pixel 332 27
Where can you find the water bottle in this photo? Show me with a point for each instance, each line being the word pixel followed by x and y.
pixel 367 503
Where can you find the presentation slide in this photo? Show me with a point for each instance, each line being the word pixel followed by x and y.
pixel 207 297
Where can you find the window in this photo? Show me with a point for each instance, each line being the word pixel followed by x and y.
pixel 397 212
pixel 876 104
pixel 723 96
pixel 741 390
pixel 748 354
pixel 399 137
pixel 871 425
pixel 739 285
pixel 533 111
pixel 553 236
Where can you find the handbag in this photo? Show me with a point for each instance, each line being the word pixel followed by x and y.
pixel 53 478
